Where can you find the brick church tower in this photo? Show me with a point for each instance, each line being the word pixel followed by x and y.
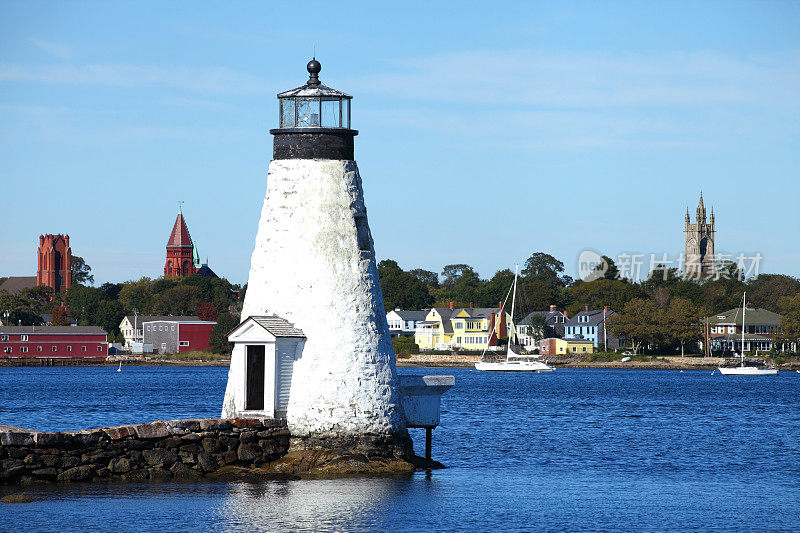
pixel 54 262
pixel 182 258
pixel 699 244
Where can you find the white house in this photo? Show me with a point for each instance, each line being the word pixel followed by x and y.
pixel 404 323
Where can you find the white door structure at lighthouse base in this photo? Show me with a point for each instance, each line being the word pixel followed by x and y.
pixel 262 364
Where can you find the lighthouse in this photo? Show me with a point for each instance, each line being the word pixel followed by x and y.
pixel 313 286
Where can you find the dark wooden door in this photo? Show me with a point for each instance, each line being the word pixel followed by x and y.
pixel 255 378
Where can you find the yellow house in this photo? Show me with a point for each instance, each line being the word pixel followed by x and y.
pixel 466 328
pixel 565 346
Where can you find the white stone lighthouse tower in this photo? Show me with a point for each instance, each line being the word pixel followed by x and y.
pixel 314 267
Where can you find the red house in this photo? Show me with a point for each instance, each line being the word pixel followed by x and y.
pixel 53 342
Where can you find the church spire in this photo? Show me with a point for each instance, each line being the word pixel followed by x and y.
pixel 701 210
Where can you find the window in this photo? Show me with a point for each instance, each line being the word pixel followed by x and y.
pixel 54 348
pixel 3 337
pixel 83 348
pixel 584 348
pixel 184 343
pixel 23 337
pixel 173 328
pixel 69 348
pixel 160 328
pixel 7 349
pixel 38 348
pixel 23 349
pixel 99 348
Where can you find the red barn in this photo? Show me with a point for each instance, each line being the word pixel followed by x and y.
pixel 53 342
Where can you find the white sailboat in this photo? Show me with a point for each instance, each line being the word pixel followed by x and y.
pixel 742 369
pixel 514 362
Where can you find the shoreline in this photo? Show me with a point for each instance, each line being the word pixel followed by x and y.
pixel 429 361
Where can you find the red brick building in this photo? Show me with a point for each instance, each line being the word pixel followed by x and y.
pixel 54 264
pixel 53 342
pixel 182 257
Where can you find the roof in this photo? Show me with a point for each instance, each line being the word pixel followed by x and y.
pixel 595 317
pixel 180 233
pixel 46 318
pixel 410 315
pixel 78 330
pixel 206 272
pixel 549 317
pixel 313 91
pixel 15 284
pixel 141 319
pixel 278 326
pixel 752 316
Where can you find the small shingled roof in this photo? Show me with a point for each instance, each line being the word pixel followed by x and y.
pixel 278 326
pixel 180 233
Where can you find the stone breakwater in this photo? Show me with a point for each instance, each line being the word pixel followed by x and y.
pixel 240 448
pixel 162 450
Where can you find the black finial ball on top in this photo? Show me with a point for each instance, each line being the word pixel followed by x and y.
pixel 313 68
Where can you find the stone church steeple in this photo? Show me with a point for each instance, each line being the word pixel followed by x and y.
pixel 699 244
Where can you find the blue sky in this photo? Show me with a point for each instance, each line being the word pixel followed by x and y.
pixel 487 131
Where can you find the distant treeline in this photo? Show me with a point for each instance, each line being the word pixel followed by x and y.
pixel 105 306
pixel 664 309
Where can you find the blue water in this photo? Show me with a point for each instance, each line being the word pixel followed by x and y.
pixel 576 450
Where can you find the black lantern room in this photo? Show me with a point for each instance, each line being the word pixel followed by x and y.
pixel 314 121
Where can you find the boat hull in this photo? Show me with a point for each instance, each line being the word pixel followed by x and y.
pixel 514 366
pixel 748 371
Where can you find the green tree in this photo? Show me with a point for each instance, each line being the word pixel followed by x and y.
pixel 683 322
pixel 467 288
pixel 601 292
pixel 401 289
pixel 612 272
pixel 767 289
pixel 452 273
pixel 178 300
pixel 545 268
pixel 789 309
pixel 84 302
pixel 496 289
pixel 640 321
pixel 81 272
pixel 429 278
pixel 108 316
pixel 218 339
pixel 137 295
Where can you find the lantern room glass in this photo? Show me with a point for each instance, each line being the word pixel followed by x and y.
pixel 315 112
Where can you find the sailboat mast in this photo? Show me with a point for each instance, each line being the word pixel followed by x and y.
pixel 744 310
pixel 513 304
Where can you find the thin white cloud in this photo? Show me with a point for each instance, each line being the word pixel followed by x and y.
pixel 509 78
pixel 57 50
pixel 204 80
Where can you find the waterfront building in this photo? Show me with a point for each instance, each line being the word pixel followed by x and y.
pixel 591 324
pixel 553 327
pixel 313 266
pixel 556 346
pixel 725 330
pixel 404 323
pixel 699 240
pixel 463 328
pixel 53 342
pixel 131 326
pixel 172 335
pixel 182 257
